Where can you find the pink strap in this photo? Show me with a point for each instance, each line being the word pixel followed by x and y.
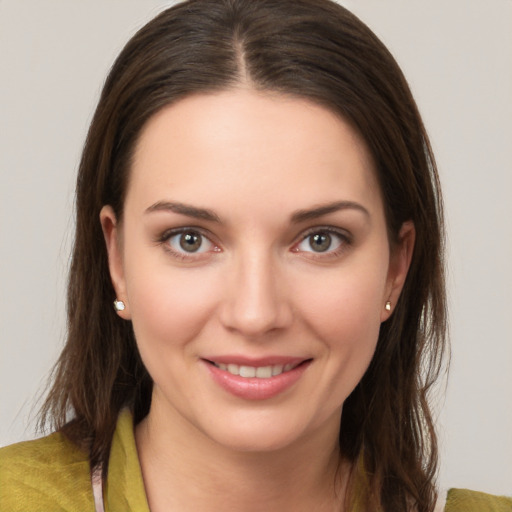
pixel 441 501
pixel 97 489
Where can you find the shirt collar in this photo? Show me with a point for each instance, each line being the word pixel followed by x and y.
pixel 124 489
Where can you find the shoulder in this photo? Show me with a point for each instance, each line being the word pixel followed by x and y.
pixel 464 500
pixel 46 474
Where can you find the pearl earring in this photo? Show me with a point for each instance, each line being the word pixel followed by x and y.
pixel 388 306
pixel 119 305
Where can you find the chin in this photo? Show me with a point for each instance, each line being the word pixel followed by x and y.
pixel 257 433
pixel 255 441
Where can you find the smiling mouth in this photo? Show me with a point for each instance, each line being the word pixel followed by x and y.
pixel 259 372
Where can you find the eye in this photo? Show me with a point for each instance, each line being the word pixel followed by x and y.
pixel 189 241
pixel 321 241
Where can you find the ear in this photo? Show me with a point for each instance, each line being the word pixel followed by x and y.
pixel 399 263
pixel 112 234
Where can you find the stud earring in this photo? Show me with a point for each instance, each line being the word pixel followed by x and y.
pixel 388 306
pixel 119 305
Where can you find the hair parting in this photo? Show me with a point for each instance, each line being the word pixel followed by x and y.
pixel 312 49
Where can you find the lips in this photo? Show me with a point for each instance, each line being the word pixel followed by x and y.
pixel 256 379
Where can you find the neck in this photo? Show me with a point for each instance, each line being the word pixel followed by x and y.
pixel 185 470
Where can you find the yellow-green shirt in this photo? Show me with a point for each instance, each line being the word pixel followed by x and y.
pixel 52 475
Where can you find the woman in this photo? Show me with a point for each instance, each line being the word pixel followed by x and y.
pixel 258 199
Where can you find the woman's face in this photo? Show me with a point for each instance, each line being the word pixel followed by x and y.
pixel 254 263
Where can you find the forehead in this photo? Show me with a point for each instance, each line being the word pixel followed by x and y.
pixel 247 147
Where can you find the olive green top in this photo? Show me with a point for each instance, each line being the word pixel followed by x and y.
pixel 52 474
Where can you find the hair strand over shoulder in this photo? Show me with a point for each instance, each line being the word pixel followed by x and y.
pixel 313 49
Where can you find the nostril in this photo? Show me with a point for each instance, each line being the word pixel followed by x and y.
pixel 255 304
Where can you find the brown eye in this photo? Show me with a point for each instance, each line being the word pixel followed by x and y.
pixel 320 242
pixel 190 242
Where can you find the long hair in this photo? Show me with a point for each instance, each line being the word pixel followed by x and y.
pixel 313 49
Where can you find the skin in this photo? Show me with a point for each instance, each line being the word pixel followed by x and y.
pixel 257 287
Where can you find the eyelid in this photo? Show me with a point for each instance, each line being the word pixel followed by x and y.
pixel 344 236
pixel 184 255
pixel 342 233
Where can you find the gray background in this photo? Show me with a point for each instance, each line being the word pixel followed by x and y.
pixel 457 55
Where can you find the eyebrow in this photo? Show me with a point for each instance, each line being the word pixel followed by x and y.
pixel 184 209
pixel 319 211
pixel 296 218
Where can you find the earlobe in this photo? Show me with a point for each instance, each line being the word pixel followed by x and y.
pixel 399 267
pixel 111 233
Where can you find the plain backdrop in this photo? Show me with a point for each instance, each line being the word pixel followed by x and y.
pixel 457 56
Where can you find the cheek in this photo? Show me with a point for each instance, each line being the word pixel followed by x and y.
pixel 342 310
pixel 344 305
pixel 168 306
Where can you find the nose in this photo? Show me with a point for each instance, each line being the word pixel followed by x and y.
pixel 255 301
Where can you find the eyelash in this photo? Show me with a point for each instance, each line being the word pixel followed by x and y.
pixel 345 241
pixel 184 256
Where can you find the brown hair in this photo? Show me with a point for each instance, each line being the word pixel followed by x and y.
pixel 313 49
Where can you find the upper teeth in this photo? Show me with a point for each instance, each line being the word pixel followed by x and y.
pixel 261 372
